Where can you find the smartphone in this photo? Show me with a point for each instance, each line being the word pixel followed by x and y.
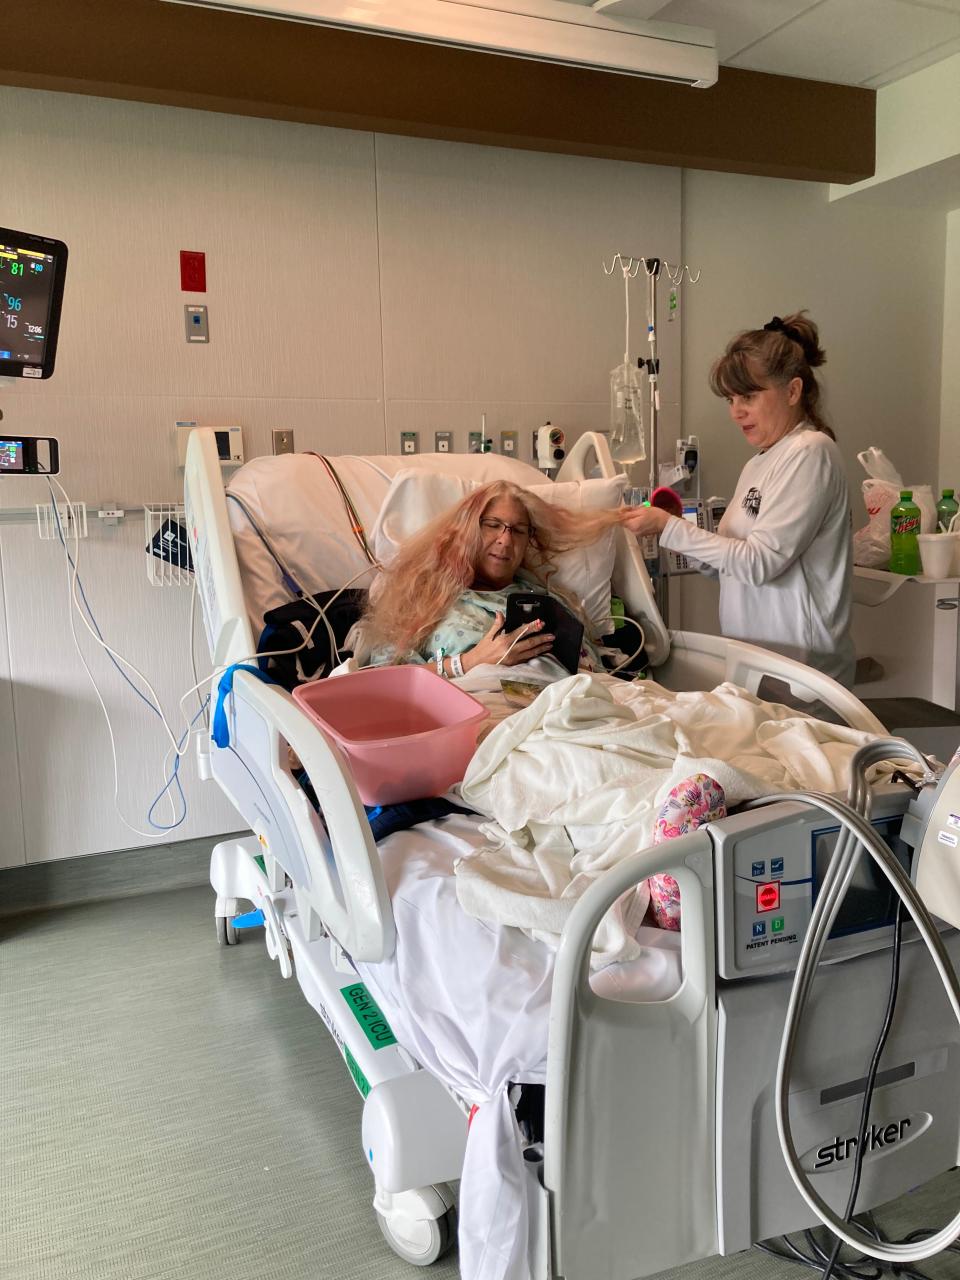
pixel 526 607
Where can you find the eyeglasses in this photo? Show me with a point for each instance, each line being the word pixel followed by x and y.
pixel 496 527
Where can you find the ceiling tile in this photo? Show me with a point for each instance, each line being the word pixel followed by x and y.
pixel 738 23
pixel 850 41
pixel 927 59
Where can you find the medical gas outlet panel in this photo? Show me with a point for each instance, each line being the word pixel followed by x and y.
pixel 770 865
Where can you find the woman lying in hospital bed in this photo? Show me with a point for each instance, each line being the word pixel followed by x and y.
pixel 594 768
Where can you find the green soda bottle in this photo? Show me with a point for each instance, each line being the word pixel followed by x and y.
pixel 947 508
pixel 904 527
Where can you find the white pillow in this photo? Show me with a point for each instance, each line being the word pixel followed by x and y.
pixel 295 503
pixel 415 497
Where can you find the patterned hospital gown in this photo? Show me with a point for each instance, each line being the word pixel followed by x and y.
pixel 468 620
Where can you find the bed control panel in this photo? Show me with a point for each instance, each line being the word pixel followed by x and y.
pixel 770 864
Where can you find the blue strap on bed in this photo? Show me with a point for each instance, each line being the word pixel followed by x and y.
pixel 221 730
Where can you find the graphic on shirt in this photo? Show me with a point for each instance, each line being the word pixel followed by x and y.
pixel 751 502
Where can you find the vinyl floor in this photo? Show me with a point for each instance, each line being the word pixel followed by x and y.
pixel 169 1109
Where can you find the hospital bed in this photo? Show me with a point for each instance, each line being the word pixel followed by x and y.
pixel 659 1140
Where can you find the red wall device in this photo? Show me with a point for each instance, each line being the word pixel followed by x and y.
pixel 193 271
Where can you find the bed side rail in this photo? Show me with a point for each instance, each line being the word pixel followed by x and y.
pixel 331 857
pixel 631 582
pixel 225 619
pixel 701 662
pixel 630 1107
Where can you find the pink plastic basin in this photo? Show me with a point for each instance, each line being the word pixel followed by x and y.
pixel 406 733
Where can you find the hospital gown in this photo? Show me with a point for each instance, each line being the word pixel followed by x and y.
pixel 468 620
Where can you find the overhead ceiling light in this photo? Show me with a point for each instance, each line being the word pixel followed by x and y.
pixel 544 30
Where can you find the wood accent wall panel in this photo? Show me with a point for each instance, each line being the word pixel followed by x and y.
pixel 152 51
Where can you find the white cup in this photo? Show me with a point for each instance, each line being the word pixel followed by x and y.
pixel 937 553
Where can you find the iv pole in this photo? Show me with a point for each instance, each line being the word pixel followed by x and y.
pixel 653 267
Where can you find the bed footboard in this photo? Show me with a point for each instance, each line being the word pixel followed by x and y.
pixel 630 1108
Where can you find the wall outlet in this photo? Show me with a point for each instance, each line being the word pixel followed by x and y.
pixel 409 442
pixel 283 442
pixel 475 442
pixel 443 441
pixel 510 443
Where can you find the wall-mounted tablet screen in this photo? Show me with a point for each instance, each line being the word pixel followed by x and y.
pixel 11 455
pixel 32 271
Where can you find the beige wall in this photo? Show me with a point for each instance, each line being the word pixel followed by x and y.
pixel 358 286
pixel 872 278
pixel 950 391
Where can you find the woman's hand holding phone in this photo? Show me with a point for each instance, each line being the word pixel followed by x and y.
pixel 508 648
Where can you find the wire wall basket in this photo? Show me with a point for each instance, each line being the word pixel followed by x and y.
pixel 72 522
pixel 168 552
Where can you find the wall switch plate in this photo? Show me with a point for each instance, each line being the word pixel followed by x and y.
pixel 409 442
pixel 443 441
pixel 283 442
pixel 195 323
pixel 510 443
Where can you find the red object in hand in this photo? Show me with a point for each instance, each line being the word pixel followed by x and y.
pixel 667 500
pixel 193 271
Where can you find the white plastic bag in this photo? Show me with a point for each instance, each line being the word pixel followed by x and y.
pixel 871 545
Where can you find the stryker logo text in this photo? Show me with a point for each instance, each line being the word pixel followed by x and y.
pixel 878 1136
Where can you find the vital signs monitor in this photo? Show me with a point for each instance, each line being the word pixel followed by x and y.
pixel 32 271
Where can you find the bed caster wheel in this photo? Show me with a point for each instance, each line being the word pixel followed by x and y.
pixel 226 933
pixel 416 1238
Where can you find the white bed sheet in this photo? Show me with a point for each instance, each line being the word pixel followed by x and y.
pixel 471 1000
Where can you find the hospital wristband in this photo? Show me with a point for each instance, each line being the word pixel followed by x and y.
pixel 456 666
pixel 441 669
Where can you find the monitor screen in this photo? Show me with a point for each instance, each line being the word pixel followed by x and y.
pixel 11 455
pixel 870 902
pixel 32 270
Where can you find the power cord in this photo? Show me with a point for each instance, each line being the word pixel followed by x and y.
pixel 859 1267
pixel 74 586
pixel 625 617
pixel 856 833
pixel 282 653
pixel 881 1044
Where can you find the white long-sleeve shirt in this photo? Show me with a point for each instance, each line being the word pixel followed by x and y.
pixel 784 554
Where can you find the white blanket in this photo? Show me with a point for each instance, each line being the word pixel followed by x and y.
pixel 480 1024
pixel 573 783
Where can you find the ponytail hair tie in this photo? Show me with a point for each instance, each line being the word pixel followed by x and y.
pixel 776 325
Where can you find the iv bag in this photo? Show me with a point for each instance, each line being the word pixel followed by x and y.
pixel 626 414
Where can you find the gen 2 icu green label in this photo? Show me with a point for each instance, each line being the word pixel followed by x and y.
pixel 367 1012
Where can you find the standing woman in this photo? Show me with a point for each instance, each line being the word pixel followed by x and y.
pixel 783 549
